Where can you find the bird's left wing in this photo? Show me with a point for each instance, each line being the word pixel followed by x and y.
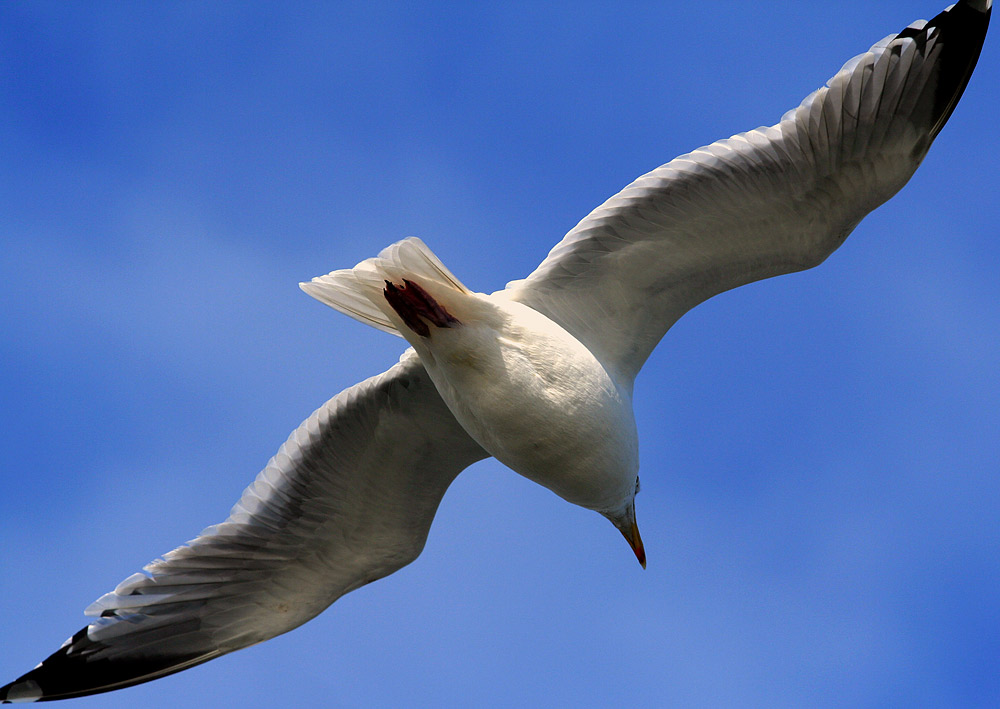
pixel 348 499
pixel 759 204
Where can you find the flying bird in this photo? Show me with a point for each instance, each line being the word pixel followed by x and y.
pixel 538 375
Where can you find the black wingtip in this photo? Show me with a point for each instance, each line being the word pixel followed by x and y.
pixel 72 671
pixel 984 6
pixel 20 690
pixel 962 30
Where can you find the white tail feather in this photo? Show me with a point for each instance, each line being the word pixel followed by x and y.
pixel 357 292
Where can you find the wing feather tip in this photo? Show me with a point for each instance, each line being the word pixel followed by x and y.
pixel 19 691
pixel 963 26
pixel 71 672
pixel 983 6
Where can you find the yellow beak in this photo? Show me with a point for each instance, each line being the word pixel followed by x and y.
pixel 631 534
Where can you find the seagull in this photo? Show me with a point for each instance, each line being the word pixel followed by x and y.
pixel 538 375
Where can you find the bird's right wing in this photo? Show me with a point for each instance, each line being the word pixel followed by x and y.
pixel 348 499
pixel 775 200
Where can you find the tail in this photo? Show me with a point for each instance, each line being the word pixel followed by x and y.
pixel 360 292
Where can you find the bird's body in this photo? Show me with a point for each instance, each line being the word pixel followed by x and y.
pixel 539 402
pixel 527 391
pixel 539 375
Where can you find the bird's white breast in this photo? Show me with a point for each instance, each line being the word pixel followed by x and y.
pixel 538 400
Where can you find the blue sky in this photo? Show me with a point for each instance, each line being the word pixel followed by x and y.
pixel 819 452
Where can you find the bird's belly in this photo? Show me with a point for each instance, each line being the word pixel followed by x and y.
pixel 571 431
